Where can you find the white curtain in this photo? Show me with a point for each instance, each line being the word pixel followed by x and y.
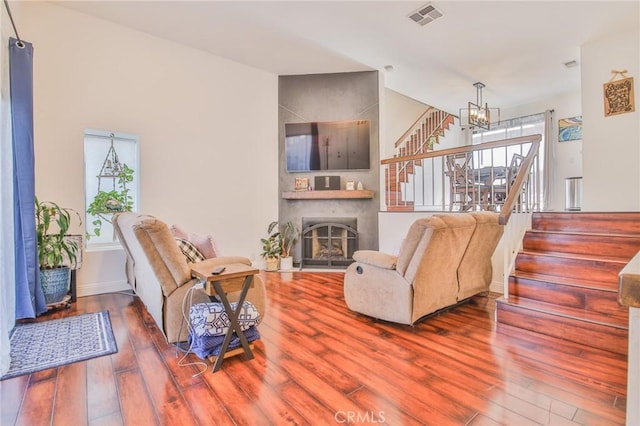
pixel 7 273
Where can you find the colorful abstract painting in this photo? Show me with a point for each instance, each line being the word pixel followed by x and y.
pixel 570 129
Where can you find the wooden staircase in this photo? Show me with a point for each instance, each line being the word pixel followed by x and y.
pixel 566 278
pixel 419 138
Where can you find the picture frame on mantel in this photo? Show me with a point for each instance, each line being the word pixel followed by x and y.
pixel 301 184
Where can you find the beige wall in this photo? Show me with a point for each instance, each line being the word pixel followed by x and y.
pixel 207 127
pixel 567 156
pixel 611 145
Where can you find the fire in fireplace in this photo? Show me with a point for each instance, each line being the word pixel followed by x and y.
pixel 329 242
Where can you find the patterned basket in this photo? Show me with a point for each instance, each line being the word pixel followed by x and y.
pixel 55 283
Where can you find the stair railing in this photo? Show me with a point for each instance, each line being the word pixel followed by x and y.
pixel 418 135
pixel 409 187
pixel 519 188
pixel 417 125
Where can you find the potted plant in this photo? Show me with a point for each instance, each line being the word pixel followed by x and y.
pixel 272 247
pixel 54 248
pixel 289 234
pixel 106 203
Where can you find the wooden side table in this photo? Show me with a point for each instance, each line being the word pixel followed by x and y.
pixel 236 277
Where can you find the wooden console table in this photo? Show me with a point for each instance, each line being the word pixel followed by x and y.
pixel 236 277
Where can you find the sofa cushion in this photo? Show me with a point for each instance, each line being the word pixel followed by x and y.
pixel 430 226
pixel 190 252
pixel 475 272
pixel 411 241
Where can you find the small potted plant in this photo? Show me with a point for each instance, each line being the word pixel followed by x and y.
pixel 55 248
pixel 272 247
pixel 290 234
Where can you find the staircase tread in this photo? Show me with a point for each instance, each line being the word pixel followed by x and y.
pixel 576 256
pixel 581 233
pixel 555 279
pixel 567 312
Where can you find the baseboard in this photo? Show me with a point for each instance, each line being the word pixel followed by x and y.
pixel 497 287
pixel 90 289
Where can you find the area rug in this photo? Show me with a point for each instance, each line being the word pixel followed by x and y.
pixel 49 344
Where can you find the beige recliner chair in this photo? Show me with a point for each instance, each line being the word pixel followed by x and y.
pixel 161 276
pixel 476 271
pixel 424 278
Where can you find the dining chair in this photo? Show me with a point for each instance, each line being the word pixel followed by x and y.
pixel 464 191
pixel 500 192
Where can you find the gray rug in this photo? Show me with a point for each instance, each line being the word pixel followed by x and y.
pixel 49 344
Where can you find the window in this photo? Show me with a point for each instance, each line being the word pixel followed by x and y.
pixel 111 179
pixel 521 126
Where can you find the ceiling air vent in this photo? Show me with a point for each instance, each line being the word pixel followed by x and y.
pixel 425 14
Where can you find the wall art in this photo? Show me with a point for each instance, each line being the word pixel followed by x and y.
pixel 618 94
pixel 570 129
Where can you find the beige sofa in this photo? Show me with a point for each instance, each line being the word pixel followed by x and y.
pixel 160 275
pixel 443 260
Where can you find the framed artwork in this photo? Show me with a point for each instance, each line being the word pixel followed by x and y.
pixel 570 129
pixel 618 96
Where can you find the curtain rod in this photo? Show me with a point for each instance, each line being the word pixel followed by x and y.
pixel 15 30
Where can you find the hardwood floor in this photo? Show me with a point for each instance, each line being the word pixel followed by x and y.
pixel 318 363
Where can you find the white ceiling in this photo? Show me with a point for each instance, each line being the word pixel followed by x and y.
pixel 516 48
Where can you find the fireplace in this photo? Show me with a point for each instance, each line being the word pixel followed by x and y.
pixel 328 242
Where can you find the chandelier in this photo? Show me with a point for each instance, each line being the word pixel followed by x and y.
pixel 479 115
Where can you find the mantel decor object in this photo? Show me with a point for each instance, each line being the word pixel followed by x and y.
pixel 301 184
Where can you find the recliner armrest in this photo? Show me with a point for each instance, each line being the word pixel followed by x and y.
pixel 376 258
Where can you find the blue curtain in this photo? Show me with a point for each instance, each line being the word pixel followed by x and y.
pixel 30 300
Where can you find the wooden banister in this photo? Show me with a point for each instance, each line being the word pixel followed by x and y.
pixel 396 168
pixel 412 128
pixel 468 148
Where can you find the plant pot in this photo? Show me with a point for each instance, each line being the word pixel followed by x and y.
pixel 286 263
pixel 55 283
pixel 272 264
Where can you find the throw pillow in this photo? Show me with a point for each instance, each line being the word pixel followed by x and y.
pixel 204 243
pixel 190 252
pixel 179 232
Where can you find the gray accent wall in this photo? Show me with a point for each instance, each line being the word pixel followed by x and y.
pixel 331 97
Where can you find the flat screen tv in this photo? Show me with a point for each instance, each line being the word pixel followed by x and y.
pixel 329 145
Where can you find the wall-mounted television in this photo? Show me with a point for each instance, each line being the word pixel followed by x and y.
pixel 329 145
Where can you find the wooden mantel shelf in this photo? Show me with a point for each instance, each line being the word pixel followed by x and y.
pixel 328 195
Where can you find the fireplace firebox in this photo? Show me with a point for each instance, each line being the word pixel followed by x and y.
pixel 328 242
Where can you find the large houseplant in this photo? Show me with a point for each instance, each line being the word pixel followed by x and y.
pixel 55 248
pixel 272 247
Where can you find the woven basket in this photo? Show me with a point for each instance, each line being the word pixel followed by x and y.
pixel 55 283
